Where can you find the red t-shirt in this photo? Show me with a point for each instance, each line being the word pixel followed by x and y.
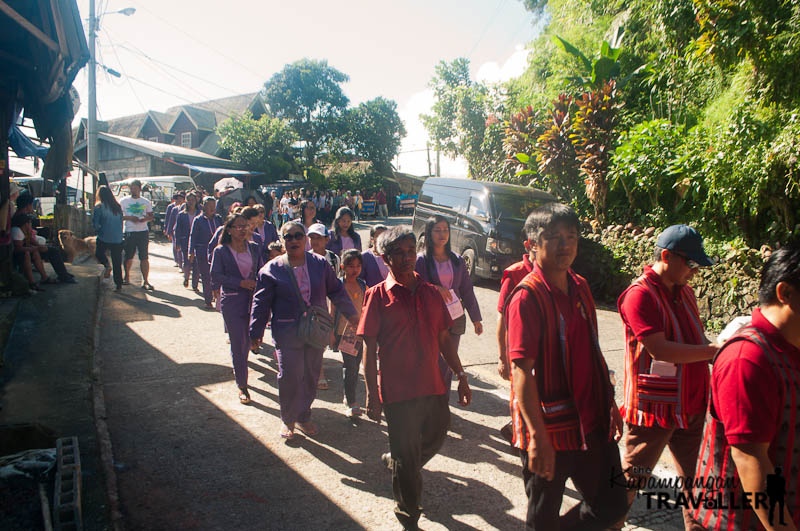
pixel 512 276
pixel 747 394
pixel 639 312
pixel 525 340
pixel 406 325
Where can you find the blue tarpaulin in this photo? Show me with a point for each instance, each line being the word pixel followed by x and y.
pixel 24 146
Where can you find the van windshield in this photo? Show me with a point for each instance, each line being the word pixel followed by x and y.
pixel 515 206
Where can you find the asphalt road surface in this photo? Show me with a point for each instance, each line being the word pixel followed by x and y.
pixel 188 455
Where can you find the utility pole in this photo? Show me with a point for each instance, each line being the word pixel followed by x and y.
pixel 428 149
pixel 438 163
pixel 91 144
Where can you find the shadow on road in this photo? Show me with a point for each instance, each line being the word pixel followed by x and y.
pixel 182 462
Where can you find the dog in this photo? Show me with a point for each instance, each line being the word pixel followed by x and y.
pixel 77 249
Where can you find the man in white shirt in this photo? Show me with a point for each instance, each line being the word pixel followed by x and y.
pixel 136 212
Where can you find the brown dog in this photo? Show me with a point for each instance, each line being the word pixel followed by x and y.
pixel 77 248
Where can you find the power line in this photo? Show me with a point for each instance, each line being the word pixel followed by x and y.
pixel 136 50
pixel 210 47
pixel 122 67
pixel 486 27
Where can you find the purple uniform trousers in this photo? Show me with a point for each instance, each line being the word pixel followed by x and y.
pixel 298 371
pixel 236 314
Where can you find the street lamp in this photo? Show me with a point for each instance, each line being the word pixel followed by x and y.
pixel 91 144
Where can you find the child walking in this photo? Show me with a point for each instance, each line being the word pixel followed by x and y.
pixel 345 338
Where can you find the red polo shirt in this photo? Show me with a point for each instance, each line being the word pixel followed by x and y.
pixel 747 394
pixel 511 277
pixel 406 325
pixel 639 312
pixel 525 340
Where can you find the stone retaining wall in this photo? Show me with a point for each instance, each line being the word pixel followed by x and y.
pixel 724 291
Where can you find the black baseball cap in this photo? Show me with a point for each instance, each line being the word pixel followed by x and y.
pixel 684 240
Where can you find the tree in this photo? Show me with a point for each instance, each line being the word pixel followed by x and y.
pixel 308 94
pixel 263 145
pixel 373 131
pixel 460 123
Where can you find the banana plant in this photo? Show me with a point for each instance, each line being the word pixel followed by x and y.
pixel 594 73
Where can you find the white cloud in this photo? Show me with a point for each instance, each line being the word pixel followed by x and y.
pixel 413 157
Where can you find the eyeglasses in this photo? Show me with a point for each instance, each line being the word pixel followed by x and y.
pixel 691 264
pixel 294 236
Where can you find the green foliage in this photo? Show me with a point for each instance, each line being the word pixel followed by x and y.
pixel 594 137
pixel 519 137
pixel 308 94
pixel 555 152
pixel 264 144
pixel 357 176
pixel 641 169
pixel 461 122
pixel 373 131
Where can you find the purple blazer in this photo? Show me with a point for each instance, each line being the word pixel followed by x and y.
pixel 213 242
pixel 370 272
pixel 462 285
pixel 183 226
pixel 167 214
pixel 202 230
pixel 335 243
pixel 270 233
pixel 225 276
pixel 173 217
pixel 275 298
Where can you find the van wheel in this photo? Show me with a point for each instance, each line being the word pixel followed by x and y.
pixel 469 258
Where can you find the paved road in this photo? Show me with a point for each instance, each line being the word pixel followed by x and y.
pixel 189 455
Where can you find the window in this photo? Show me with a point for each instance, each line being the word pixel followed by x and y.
pixel 154 139
pixel 186 140
pixel 477 205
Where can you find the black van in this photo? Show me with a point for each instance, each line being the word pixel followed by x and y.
pixel 485 218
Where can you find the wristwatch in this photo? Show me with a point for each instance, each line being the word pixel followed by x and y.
pixel 462 374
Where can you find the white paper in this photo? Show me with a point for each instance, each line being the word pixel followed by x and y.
pixel 454 306
pixel 349 342
pixel 663 368
pixel 733 328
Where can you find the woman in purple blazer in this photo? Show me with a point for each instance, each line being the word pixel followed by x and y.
pixel 443 268
pixel 203 228
pixel 343 234
pixel 233 268
pixel 374 270
pixel 275 297
pixel 183 228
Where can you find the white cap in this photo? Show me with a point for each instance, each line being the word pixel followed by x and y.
pixel 318 229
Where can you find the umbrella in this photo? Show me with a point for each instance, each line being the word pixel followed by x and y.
pixel 228 182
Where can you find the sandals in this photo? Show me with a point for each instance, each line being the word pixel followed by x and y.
pixel 35 287
pixel 147 286
pixel 185 283
pixel 308 428
pixel 244 396
pixel 286 432
pixel 49 280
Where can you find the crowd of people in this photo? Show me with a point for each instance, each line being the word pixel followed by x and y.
pixel 290 204
pixel 384 304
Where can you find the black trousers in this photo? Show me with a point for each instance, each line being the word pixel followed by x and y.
pixel 417 430
pixel 604 502
pixel 116 258
pixel 56 259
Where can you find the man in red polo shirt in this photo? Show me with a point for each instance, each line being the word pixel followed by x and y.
pixel 511 277
pixel 404 323
pixel 666 360
pixel 753 433
pixel 565 420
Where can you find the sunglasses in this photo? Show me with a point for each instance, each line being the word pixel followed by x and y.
pixel 691 264
pixel 294 236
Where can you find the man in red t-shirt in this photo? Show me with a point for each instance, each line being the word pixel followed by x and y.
pixel 511 277
pixel 666 360
pixel 405 324
pixel 752 430
pixel 380 200
pixel 565 420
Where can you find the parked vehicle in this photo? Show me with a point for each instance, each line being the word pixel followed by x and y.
pixel 158 189
pixel 485 218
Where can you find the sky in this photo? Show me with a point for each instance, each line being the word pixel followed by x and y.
pixel 172 52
